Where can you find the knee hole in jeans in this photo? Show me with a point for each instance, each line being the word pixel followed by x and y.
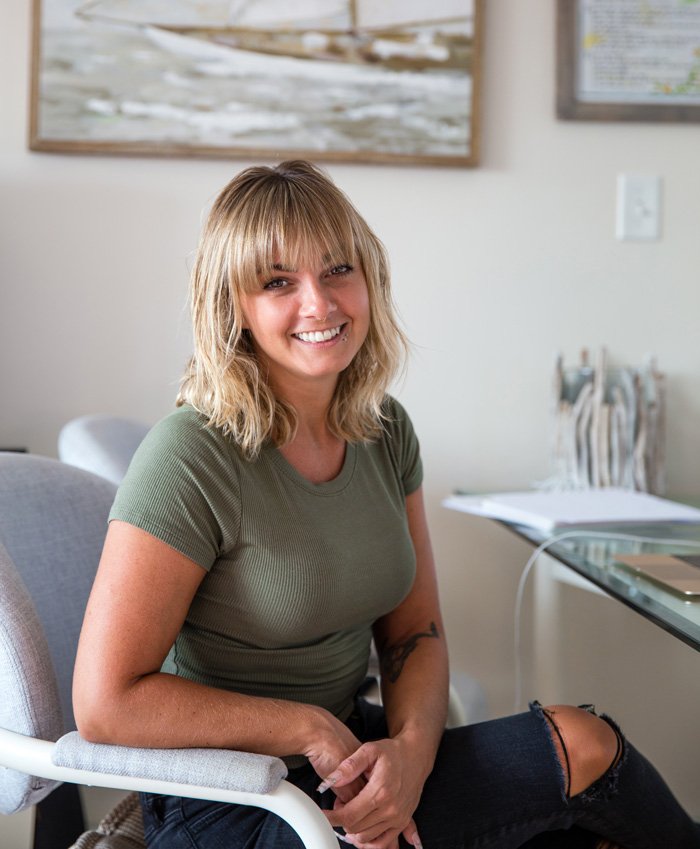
pixel 587 746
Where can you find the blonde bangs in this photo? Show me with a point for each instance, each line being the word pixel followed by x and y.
pixel 289 226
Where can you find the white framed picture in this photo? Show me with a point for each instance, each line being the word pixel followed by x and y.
pixel 346 80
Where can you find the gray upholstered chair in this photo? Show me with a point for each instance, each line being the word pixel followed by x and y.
pixel 53 519
pixel 52 524
pixel 101 444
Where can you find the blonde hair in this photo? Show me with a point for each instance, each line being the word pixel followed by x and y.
pixel 290 213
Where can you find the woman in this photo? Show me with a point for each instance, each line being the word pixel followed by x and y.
pixel 270 527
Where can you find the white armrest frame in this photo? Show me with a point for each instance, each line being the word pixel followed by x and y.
pixel 33 756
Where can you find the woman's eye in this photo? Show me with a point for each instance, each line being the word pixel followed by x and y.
pixel 277 283
pixel 340 269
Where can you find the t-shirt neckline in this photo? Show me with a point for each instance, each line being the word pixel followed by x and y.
pixel 330 487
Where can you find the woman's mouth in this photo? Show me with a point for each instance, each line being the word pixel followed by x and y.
pixel 316 336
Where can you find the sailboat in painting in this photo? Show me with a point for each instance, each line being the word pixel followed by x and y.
pixel 420 35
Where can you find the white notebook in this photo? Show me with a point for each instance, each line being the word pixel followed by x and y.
pixel 548 510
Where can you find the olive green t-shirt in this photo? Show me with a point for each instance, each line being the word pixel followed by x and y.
pixel 296 572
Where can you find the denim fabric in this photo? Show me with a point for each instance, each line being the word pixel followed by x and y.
pixel 495 785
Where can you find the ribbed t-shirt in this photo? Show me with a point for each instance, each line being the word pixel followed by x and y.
pixel 297 572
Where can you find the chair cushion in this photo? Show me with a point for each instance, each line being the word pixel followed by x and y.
pixel 30 701
pixel 121 828
pixel 216 768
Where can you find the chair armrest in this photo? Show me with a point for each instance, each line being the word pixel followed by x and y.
pixel 33 756
pixel 222 768
pixel 456 713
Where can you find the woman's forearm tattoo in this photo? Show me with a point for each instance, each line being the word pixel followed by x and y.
pixel 393 658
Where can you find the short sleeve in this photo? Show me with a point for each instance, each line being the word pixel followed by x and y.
pixel 405 446
pixel 182 488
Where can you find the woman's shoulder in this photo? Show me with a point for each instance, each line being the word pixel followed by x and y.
pixel 395 416
pixel 400 441
pixel 185 427
pixel 183 443
pixel 183 420
pixel 179 485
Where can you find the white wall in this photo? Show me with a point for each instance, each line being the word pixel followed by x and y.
pixel 495 269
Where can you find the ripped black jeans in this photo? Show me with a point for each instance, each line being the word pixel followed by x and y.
pixel 495 785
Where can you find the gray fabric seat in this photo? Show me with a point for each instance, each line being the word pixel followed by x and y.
pixel 53 519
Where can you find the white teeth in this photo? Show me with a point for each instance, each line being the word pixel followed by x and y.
pixel 318 335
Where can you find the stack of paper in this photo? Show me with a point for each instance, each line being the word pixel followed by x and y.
pixel 547 510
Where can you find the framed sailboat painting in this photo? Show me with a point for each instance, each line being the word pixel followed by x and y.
pixel 348 80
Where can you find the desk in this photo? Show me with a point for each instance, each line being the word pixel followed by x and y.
pixel 594 559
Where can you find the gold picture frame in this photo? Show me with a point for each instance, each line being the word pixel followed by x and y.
pixel 620 60
pixel 350 80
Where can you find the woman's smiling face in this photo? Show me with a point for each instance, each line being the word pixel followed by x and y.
pixel 307 322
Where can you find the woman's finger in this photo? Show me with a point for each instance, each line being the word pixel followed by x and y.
pixel 348 770
pixel 388 839
pixel 410 834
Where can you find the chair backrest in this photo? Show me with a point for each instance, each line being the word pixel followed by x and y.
pixel 101 444
pixel 53 519
pixel 30 703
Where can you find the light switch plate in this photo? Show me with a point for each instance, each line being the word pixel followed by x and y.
pixel 638 207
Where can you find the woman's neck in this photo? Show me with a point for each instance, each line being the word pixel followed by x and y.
pixel 315 452
pixel 311 400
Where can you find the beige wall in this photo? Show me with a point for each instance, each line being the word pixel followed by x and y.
pixel 495 270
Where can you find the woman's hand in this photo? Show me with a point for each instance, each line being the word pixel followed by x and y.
pixel 332 744
pixel 383 808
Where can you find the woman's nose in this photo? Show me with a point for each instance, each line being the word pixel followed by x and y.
pixel 318 302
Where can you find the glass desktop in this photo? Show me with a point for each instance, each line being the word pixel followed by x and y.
pixel 595 559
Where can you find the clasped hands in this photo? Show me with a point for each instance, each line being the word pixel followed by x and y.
pixel 377 790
